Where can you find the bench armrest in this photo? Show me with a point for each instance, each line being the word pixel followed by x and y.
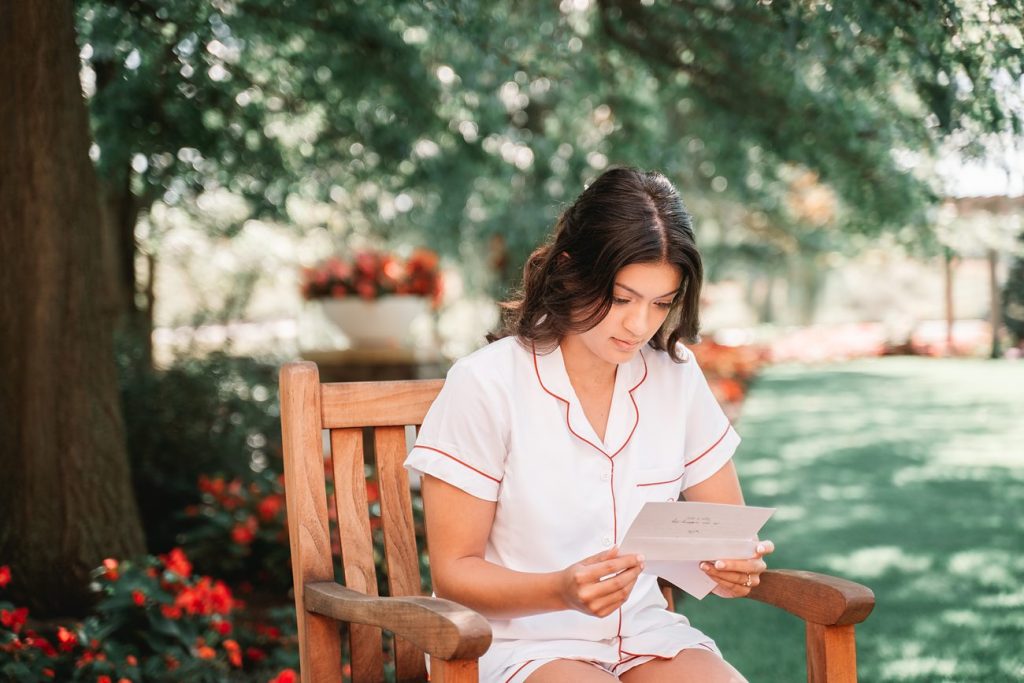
pixel 441 628
pixel 815 598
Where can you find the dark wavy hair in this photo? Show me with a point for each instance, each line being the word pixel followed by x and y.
pixel 626 216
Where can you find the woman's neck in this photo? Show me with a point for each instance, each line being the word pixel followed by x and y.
pixel 583 367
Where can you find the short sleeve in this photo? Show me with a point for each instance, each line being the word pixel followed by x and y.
pixel 464 436
pixel 710 438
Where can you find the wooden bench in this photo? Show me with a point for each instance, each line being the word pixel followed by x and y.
pixel 454 636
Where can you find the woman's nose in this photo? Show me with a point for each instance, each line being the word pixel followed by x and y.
pixel 636 321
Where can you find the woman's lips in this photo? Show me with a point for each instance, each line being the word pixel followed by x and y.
pixel 625 345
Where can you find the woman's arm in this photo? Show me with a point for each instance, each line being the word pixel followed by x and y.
pixel 735 578
pixel 458 525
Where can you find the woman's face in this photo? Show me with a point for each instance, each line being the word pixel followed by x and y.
pixel 641 300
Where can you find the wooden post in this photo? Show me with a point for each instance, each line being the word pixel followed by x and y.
pixel 831 654
pixel 996 314
pixel 306 501
pixel 454 671
pixel 950 313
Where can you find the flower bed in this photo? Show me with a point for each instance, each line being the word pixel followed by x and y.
pixel 729 371
pixel 156 620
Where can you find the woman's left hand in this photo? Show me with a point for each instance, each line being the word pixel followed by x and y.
pixel 735 578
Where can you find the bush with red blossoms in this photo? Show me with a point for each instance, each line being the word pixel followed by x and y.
pixel 155 621
pixel 238 531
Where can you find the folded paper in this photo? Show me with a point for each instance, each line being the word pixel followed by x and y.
pixel 674 537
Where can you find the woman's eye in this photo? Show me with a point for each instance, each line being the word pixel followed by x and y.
pixel 620 301
pixel 664 304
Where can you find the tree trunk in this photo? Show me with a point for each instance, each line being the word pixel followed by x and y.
pixel 995 297
pixel 949 266
pixel 66 500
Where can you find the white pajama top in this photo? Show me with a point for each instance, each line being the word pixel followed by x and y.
pixel 507 427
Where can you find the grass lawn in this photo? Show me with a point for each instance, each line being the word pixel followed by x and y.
pixel 907 475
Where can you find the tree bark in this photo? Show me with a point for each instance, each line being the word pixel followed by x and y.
pixel 996 299
pixel 66 501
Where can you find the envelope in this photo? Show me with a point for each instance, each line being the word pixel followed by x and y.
pixel 674 537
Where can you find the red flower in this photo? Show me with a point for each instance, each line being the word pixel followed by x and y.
pixel 66 639
pixel 5 575
pixel 206 652
pixel 110 569
pixel 206 597
pixel 269 507
pixel 222 627
pixel 271 632
pixel 15 619
pixel 234 653
pixel 131 660
pixel 139 598
pixel 255 655
pixel 244 533
pixel 285 676
pixel 177 563
pixel 49 673
pixel 32 640
pixel 103 679
pixel 170 611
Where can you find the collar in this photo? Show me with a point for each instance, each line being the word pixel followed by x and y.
pixel 624 414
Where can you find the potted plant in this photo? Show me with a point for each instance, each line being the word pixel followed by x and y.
pixel 374 297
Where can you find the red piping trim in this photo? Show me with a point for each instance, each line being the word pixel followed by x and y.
pixel 636 409
pixel 615 513
pixel 627 660
pixel 634 654
pixel 667 481
pixel 449 455
pixel 727 428
pixel 518 670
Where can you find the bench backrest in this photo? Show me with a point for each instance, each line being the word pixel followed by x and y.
pixel 364 420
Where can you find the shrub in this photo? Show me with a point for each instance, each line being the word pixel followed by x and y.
pixel 156 621
pixel 202 416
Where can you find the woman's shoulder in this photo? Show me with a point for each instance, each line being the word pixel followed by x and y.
pixel 666 370
pixel 493 364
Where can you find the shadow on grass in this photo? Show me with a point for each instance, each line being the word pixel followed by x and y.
pixel 908 476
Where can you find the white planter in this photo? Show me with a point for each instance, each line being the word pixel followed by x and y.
pixel 387 322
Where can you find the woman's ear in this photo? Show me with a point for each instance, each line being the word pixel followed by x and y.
pixel 563 257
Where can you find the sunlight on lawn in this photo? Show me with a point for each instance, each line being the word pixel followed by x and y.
pixel 906 474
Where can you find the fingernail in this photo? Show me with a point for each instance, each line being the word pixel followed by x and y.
pixel 719 564
pixel 760 547
pixel 640 559
pixel 705 566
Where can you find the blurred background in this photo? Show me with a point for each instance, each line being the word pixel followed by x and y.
pixel 197 191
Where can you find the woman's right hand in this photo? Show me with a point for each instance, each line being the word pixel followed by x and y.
pixel 584 590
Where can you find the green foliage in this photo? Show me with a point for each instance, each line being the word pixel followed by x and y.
pixel 1013 299
pixel 211 415
pixel 155 621
pixel 239 531
pixel 489 116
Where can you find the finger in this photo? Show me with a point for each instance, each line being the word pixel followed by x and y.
pixel 618 591
pixel 601 556
pixel 622 582
pixel 765 548
pixel 738 578
pixel 751 566
pixel 596 572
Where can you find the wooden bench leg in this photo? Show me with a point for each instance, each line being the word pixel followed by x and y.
pixel 831 654
pixel 454 671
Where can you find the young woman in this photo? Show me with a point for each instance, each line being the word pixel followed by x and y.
pixel 543 446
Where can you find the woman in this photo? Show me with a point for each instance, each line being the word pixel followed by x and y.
pixel 543 446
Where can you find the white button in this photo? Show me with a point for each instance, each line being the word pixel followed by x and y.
pixel 606 541
pixel 605 476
